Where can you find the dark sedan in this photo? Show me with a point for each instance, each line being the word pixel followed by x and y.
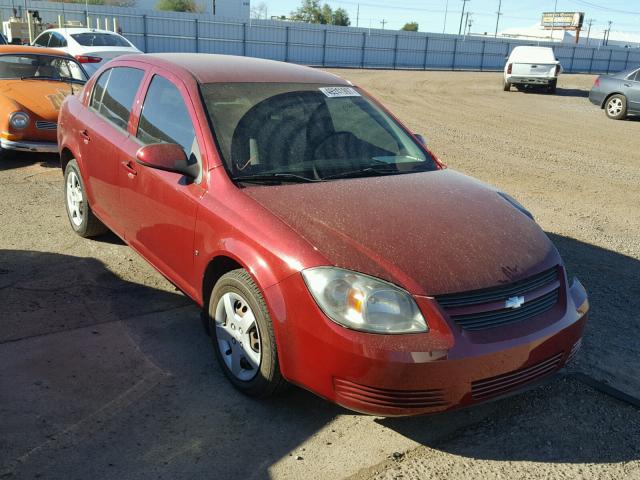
pixel 619 94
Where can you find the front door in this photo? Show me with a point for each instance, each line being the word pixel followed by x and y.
pixel 159 207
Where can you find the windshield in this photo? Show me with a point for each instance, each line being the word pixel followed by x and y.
pixel 305 132
pixel 40 67
pixel 93 39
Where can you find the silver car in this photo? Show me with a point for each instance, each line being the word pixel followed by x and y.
pixel 619 94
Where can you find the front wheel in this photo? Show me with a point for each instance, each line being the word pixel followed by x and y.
pixel 82 219
pixel 242 335
pixel 616 107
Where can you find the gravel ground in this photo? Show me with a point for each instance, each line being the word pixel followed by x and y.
pixel 105 373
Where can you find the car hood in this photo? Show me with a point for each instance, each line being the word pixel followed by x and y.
pixel 40 97
pixel 431 233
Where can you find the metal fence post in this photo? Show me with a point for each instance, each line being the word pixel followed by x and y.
pixel 286 44
pixel 484 46
pixel 626 62
pixel 593 54
pixel 364 45
pixel 324 48
pixel 195 20
pixel 609 63
pixel 144 33
pixel 455 51
pixel 244 39
pixel 426 51
pixel 573 58
pixel 395 53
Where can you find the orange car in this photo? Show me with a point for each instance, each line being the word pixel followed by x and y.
pixel 33 84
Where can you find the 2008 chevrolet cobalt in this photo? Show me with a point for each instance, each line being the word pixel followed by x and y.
pixel 326 244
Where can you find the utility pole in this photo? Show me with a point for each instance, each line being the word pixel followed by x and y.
pixel 358 16
pixel 553 20
pixel 464 2
pixel 589 30
pixel 383 22
pixel 467 24
pixel 498 18
pixel 608 32
pixel 446 10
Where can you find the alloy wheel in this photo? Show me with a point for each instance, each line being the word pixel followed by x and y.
pixel 614 107
pixel 75 198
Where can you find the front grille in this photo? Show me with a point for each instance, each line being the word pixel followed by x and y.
pixel 501 384
pixel 380 397
pixel 44 125
pixel 487 308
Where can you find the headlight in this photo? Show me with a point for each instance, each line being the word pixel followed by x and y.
pixel 19 120
pixel 363 303
pixel 516 204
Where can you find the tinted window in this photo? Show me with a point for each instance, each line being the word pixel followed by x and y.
pixel 635 76
pixel 91 39
pixel 98 90
pixel 118 96
pixel 165 118
pixel 43 40
pixel 57 41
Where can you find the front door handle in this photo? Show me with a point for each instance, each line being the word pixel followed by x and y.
pixel 131 171
pixel 85 135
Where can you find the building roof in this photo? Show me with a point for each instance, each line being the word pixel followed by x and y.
pixel 212 68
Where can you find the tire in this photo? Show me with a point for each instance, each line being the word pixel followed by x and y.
pixel 242 336
pixel 552 87
pixel 616 107
pixel 506 86
pixel 81 217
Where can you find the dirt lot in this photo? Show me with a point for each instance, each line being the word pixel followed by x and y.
pixel 105 372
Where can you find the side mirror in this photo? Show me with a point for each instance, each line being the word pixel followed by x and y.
pixel 169 157
pixel 422 140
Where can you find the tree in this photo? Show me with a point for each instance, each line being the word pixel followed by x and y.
pixel 178 6
pixel 259 11
pixel 410 27
pixel 311 11
pixel 341 17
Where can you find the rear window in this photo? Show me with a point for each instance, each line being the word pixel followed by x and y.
pixel 91 39
pixel 533 55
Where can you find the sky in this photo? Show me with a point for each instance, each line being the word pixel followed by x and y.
pixel 430 14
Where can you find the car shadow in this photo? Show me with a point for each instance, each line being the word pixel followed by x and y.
pixel 550 423
pixel 572 92
pixel 10 160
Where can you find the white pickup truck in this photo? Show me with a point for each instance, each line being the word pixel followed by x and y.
pixel 536 66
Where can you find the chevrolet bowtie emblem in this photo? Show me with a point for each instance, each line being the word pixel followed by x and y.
pixel 514 302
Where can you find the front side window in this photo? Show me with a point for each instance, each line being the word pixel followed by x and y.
pixel 165 118
pixel 96 39
pixel 308 132
pixel 120 89
pixel 41 67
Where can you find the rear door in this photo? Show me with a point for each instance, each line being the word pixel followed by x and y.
pixel 106 125
pixel 632 91
pixel 159 208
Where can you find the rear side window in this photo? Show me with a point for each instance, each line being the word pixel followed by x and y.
pixel 57 41
pixel 91 39
pixel 119 89
pixel 165 118
pixel 635 76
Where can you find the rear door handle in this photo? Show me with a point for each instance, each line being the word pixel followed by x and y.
pixel 131 171
pixel 85 135
pixel 627 85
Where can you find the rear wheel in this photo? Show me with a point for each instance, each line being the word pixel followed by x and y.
pixel 552 87
pixel 81 217
pixel 506 86
pixel 616 107
pixel 242 335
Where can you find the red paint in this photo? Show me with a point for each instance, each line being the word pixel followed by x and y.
pixel 431 233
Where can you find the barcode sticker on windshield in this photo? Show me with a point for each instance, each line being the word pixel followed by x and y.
pixel 335 92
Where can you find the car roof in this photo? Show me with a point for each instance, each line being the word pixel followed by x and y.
pixel 79 30
pixel 4 49
pixel 214 68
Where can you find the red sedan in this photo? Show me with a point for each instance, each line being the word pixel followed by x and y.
pixel 326 244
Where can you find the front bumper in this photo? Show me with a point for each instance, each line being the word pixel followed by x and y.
pixel 26 146
pixel 395 375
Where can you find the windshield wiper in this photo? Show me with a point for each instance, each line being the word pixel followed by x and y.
pixel 364 172
pixel 275 177
pixel 42 77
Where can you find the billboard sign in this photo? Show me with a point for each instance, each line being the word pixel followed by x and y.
pixel 563 20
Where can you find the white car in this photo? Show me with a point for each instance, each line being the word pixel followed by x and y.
pixel 536 66
pixel 90 46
